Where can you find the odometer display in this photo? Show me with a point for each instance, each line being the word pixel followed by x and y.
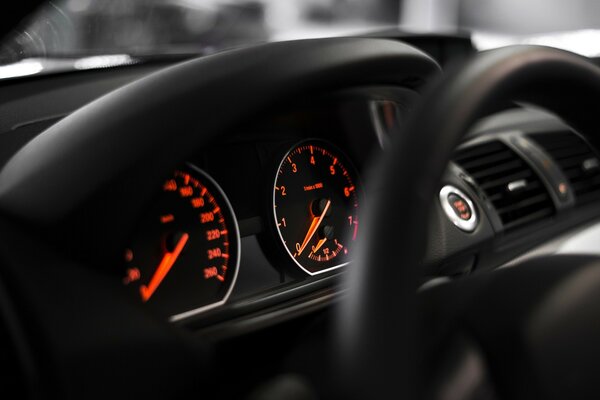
pixel 315 203
pixel 184 257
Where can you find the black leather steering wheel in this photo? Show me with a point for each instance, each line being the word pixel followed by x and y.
pixel 540 324
pixel 78 334
pixel 89 340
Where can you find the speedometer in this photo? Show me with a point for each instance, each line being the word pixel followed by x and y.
pixel 185 255
pixel 315 205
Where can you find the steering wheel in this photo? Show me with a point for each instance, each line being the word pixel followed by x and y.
pixel 81 336
pixel 536 325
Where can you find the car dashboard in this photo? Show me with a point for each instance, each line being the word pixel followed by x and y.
pixel 521 180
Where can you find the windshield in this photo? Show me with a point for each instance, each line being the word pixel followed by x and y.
pixel 82 34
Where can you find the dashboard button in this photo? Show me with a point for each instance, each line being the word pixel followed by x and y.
pixel 459 208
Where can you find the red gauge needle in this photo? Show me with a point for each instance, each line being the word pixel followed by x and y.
pixel 314 225
pixel 319 244
pixel 163 268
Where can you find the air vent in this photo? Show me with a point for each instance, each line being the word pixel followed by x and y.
pixel 579 162
pixel 515 190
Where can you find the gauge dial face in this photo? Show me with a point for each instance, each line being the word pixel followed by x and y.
pixel 185 256
pixel 315 203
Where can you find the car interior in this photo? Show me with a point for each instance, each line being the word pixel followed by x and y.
pixel 381 215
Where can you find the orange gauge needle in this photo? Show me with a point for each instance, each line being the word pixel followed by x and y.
pixel 163 268
pixel 313 227
pixel 318 246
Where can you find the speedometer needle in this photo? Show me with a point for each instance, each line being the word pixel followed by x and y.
pixel 313 227
pixel 163 268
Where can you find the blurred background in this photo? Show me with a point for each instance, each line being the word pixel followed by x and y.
pixel 78 28
pixel 147 27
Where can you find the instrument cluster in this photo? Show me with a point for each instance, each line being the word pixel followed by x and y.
pixel 184 257
pixel 273 207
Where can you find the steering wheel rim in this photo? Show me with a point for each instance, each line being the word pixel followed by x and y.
pixel 376 336
pixel 130 127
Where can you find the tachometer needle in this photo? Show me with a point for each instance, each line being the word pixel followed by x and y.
pixel 313 227
pixel 163 268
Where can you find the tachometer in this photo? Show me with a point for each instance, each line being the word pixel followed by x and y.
pixel 185 256
pixel 315 204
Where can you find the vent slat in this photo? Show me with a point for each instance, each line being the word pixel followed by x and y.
pixel 486 162
pixel 477 152
pixel 501 183
pixel 523 203
pixel 570 152
pixel 586 184
pixel 536 216
pixel 501 197
pixel 493 166
pixel 573 162
pixel 496 169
